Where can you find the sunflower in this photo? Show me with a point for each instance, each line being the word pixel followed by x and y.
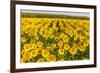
pixel 81 38
pixel 35 32
pixel 32 40
pixel 61 51
pixel 34 53
pixel 34 46
pixel 27 47
pixel 66 47
pixel 26 57
pixel 39 50
pixel 56 38
pixel 70 32
pixel 73 50
pixel 51 36
pixel 60 43
pixel 61 35
pixel 48 47
pixel 76 36
pixel 23 39
pixel 86 43
pixel 87 33
pixel 23 51
pixel 36 37
pixel 51 58
pixel 45 53
pixel 40 44
pixel 65 38
pixel 53 45
pixel 82 48
pixel 45 33
pixel 50 30
pixel 41 31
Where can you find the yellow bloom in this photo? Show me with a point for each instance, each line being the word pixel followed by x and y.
pixel 48 47
pixel 41 31
pixel 40 44
pixel 51 36
pixel 27 47
pixel 70 33
pixel 65 38
pixel 56 38
pixel 45 53
pixel 32 40
pixel 73 50
pixel 35 32
pixel 81 37
pixel 66 47
pixel 60 43
pixel 87 33
pixel 76 36
pixel 50 30
pixel 53 45
pixel 34 46
pixel 39 50
pixel 34 53
pixel 61 51
pixel 81 48
pixel 45 33
pixel 36 37
pixel 51 58
pixel 61 35
pixel 23 39
pixel 61 25
pixel 23 51
pixel 86 43
pixel 26 57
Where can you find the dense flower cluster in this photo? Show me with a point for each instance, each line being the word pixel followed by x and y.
pixel 54 39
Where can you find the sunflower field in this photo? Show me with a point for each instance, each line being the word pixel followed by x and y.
pixel 49 38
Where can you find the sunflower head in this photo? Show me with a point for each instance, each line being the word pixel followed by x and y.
pixel 34 53
pixel 65 38
pixel 86 43
pixel 48 47
pixel 51 36
pixel 51 58
pixel 81 38
pixel 61 35
pixel 82 48
pixel 61 51
pixel 36 37
pixel 60 43
pixel 27 47
pixel 56 38
pixel 26 57
pixel 40 44
pixel 66 47
pixel 70 33
pixel 73 50
pixel 45 53
pixel 53 45
pixel 23 39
